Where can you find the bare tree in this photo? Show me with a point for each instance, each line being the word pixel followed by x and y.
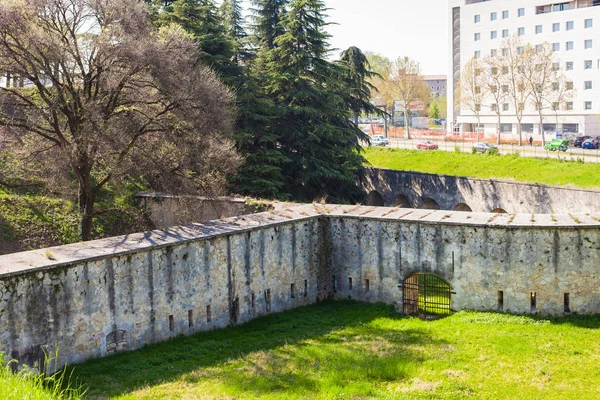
pixel 405 83
pixel 473 89
pixel 542 78
pixel 495 87
pixel 514 69
pixel 563 91
pixel 105 92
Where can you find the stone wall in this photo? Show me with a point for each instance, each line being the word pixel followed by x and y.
pixel 96 298
pixel 412 189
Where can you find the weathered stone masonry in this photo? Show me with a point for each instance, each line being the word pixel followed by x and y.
pixel 96 298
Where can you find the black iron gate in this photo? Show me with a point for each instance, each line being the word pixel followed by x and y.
pixel 426 295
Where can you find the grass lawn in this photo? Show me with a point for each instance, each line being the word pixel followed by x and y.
pixel 524 169
pixel 350 350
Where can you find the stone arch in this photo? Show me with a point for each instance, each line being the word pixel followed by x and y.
pixel 375 199
pixel 401 201
pixel 463 207
pixel 499 211
pixel 426 295
pixel 430 204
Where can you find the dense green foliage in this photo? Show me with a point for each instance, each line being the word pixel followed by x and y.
pixel 523 169
pixel 346 350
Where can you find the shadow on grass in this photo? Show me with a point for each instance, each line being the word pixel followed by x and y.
pixel 334 344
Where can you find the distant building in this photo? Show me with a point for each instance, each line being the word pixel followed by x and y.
pixel 478 28
pixel 437 84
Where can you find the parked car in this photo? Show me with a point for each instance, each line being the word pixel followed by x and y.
pixel 579 140
pixel 427 145
pixel 591 144
pixel 484 147
pixel 379 140
pixel 557 144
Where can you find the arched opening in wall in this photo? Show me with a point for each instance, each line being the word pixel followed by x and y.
pixel 426 295
pixel 462 207
pixel 499 211
pixel 401 201
pixel 375 199
pixel 430 204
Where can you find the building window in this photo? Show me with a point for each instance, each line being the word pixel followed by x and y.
pixel 569 85
pixel 555 66
pixel 555 27
pixel 587 105
pixel 504 33
pixel 555 86
pixel 569 45
pixel 504 14
pixel 506 127
pixel 477 36
pixel 505 107
pixel 494 107
pixel 520 49
pixel 505 51
pixel 587 85
pixel 493 34
pixel 521 12
pixel 521 31
pixel 493 53
pixel 569 65
pixel 477 18
pixel 477 54
pixel 561 7
pixel 588 23
pixel 555 106
pixel 504 70
pixel 569 25
pixel 587 64
pixel 538 48
pixel 493 16
pixel 504 88
pixel 587 44
pixel 538 29
pixel 556 46
pixel 569 105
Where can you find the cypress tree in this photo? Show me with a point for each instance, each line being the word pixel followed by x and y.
pixel 313 115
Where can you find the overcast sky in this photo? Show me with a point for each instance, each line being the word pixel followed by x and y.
pixel 393 28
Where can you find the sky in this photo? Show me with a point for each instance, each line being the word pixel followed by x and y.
pixel 393 28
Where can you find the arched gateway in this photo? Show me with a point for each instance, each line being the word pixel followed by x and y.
pixel 426 295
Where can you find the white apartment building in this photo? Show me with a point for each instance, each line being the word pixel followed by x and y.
pixel 477 28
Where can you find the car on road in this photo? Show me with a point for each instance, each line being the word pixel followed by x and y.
pixel 379 140
pixel 591 144
pixel 557 144
pixel 579 140
pixel 427 145
pixel 484 147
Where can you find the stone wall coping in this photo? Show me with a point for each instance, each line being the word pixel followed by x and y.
pixel 284 213
pixel 508 181
pixel 160 195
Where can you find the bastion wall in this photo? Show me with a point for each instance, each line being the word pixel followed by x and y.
pixel 96 298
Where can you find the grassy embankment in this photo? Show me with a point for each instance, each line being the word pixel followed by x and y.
pixel 349 350
pixel 523 169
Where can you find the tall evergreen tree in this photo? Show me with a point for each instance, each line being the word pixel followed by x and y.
pixel 231 12
pixel 313 116
pixel 268 18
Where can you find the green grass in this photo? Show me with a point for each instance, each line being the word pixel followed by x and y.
pixel 31 385
pixel 350 350
pixel 523 169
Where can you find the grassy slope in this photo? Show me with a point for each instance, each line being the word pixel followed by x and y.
pixel 354 350
pixel 524 169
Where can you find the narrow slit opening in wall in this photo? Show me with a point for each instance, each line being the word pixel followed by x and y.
pixel 349 283
pixel 533 301
pixel 452 261
pixel 367 285
pixel 567 305
pixel 500 300
pixel 190 318
pixel 171 323
pixel 253 300
pixel 208 315
pixel 333 283
pixel 293 290
pixel 306 288
pixel 268 299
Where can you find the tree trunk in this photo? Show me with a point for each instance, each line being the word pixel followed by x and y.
pixel 519 132
pixel 406 124
pixel 86 205
pixel 499 132
pixel 542 130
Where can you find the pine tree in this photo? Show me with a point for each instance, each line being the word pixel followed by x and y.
pixel 268 17
pixel 313 116
pixel 231 12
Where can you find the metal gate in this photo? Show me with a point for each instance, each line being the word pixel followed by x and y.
pixel 426 295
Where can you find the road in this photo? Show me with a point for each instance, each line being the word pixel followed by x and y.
pixel 573 153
